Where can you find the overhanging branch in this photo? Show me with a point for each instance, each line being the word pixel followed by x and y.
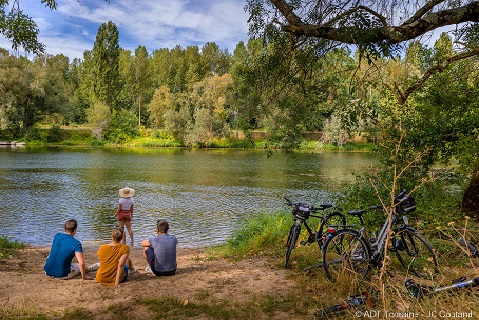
pixel 417 25
pixel 402 96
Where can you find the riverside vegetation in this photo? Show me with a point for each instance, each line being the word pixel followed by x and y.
pixel 263 237
pixel 78 136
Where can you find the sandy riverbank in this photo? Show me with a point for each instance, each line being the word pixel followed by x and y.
pixel 25 288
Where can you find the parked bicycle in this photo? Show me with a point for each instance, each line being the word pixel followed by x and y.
pixel 301 213
pixel 417 290
pixel 352 251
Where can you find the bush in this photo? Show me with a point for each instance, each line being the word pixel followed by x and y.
pixel 262 233
pixel 8 247
pixel 121 127
pixel 36 134
pixel 55 134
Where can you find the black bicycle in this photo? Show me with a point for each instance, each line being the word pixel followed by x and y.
pixel 352 252
pixel 417 290
pixel 301 213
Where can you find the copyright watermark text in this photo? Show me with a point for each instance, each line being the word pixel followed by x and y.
pixel 435 314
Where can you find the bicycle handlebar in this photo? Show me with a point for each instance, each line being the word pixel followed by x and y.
pixel 474 250
pixel 311 208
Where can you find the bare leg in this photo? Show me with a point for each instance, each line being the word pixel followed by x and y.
pixel 130 232
pixel 122 225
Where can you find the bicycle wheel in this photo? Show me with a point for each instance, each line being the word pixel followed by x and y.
pixel 335 219
pixel 291 243
pixel 415 254
pixel 346 254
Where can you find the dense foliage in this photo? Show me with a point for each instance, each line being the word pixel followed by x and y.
pixel 419 107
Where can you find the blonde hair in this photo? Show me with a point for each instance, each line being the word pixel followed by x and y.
pixel 117 234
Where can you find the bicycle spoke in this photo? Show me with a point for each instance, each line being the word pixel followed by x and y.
pixel 415 254
pixel 346 254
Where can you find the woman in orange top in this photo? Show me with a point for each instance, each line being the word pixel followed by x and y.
pixel 114 260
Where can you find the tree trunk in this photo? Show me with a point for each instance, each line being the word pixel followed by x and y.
pixel 470 200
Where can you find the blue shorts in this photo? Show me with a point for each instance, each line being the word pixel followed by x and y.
pixel 125 268
pixel 150 256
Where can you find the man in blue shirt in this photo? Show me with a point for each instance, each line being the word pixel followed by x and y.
pixel 160 251
pixel 64 248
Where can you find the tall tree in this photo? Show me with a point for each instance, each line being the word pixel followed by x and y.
pixel 12 93
pixel 106 55
pixel 142 76
pixel 50 88
pixel 217 60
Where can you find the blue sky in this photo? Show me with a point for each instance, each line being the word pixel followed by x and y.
pixel 155 24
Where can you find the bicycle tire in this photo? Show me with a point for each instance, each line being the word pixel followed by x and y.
pixel 415 254
pixel 346 254
pixel 332 219
pixel 291 243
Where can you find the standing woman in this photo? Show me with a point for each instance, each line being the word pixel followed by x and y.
pixel 124 213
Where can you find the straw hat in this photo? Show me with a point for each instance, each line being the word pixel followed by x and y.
pixel 126 192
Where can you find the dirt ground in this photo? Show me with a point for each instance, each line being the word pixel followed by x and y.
pixel 24 286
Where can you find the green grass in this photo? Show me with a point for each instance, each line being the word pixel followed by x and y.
pixel 172 308
pixel 8 247
pixel 260 234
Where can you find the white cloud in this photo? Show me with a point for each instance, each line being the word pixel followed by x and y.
pixel 155 24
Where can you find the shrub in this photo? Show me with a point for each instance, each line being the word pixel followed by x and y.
pixel 8 247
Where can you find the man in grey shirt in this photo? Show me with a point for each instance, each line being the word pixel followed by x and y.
pixel 160 251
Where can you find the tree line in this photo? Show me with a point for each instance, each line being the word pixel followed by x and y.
pixel 194 94
pixel 418 103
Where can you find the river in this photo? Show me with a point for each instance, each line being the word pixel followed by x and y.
pixel 205 194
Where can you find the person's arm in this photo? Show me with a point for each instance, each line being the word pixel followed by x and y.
pixel 118 210
pixel 81 263
pixel 119 271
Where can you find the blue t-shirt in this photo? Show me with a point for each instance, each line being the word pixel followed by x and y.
pixel 164 246
pixel 61 255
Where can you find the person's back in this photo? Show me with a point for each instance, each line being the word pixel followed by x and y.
pixel 114 261
pixel 160 251
pixel 64 248
pixel 164 247
pixel 62 252
pixel 109 258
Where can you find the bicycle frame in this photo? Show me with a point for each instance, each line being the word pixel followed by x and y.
pixel 377 247
pixel 301 212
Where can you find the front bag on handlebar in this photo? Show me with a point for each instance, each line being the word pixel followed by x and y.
pixel 301 211
pixel 405 204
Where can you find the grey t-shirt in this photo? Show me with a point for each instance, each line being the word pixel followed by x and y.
pixel 164 246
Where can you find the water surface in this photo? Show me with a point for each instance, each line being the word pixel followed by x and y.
pixel 204 194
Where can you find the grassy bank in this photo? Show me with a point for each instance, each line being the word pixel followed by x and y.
pixel 8 247
pixel 438 219
pixel 79 136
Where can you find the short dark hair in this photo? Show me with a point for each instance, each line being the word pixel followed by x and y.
pixel 162 226
pixel 71 225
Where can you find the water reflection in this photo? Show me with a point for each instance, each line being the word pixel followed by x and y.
pixel 205 194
